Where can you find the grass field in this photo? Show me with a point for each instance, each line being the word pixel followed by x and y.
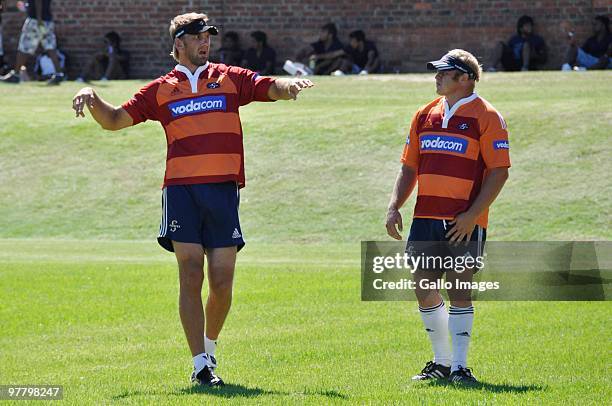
pixel 88 300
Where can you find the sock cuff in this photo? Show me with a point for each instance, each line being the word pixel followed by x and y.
pixel 454 310
pixel 431 309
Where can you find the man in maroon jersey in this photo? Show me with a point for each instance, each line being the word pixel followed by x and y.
pixel 197 104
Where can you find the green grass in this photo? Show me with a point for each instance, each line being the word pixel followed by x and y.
pixel 322 168
pixel 106 328
pixel 88 300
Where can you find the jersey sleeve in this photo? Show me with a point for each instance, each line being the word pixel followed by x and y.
pixel 410 155
pixel 143 105
pixel 251 86
pixel 494 143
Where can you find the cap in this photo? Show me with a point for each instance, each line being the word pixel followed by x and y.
pixel 449 62
pixel 195 27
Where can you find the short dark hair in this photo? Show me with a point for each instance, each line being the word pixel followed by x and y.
pixel 113 38
pixel 260 36
pixel 605 21
pixel 358 35
pixel 233 35
pixel 331 28
pixel 522 21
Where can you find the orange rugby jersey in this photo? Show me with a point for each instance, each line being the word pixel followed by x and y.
pixel 451 149
pixel 199 113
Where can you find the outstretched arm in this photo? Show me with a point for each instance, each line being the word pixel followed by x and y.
pixel 286 89
pixel 108 116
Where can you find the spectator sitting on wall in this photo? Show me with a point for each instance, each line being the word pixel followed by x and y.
pixel 230 52
pixel 44 69
pixel 260 57
pixel 515 56
pixel 325 55
pixel 362 54
pixel 596 52
pixel 110 63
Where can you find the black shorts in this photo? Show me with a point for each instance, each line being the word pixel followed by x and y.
pixel 428 238
pixel 204 214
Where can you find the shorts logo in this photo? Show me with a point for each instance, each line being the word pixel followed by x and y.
pixel 501 144
pixel 408 139
pixel 174 225
pixel 213 85
pixel 236 234
pixel 443 143
pixel 197 105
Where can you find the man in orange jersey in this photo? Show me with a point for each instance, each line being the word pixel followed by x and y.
pixel 458 153
pixel 197 104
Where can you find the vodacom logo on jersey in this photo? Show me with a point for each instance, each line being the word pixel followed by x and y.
pixel 443 143
pixel 198 105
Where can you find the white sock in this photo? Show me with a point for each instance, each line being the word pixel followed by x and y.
pixel 435 319
pixel 210 346
pixel 460 320
pixel 199 362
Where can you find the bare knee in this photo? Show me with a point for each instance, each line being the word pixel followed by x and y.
pixel 220 283
pixel 191 271
pixel 428 298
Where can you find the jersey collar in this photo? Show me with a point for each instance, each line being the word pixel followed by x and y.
pixel 193 77
pixel 448 113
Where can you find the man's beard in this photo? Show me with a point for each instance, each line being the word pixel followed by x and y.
pixel 198 60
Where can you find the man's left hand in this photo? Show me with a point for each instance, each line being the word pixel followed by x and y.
pixel 296 86
pixel 463 226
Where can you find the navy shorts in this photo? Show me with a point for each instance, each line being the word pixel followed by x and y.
pixel 428 237
pixel 204 214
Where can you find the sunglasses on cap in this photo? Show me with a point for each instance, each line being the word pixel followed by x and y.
pixel 194 28
pixel 449 62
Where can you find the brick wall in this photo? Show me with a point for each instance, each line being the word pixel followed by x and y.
pixel 407 32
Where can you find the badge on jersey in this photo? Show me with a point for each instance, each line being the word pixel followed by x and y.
pixel 501 144
pixel 443 143
pixel 197 105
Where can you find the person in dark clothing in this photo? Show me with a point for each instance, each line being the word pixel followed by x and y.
pixel 525 50
pixel 260 57
pixel 230 52
pixel 362 54
pixel 111 63
pixel 4 68
pixel 596 52
pixel 325 55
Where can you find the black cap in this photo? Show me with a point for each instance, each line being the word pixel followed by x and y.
pixel 449 62
pixel 195 27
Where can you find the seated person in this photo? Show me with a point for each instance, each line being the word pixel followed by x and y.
pixel 362 54
pixel 515 56
pixel 325 55
pixel 596 52
pixel 230 52
pixel 260 57
pixel 111 63
pixel 44 68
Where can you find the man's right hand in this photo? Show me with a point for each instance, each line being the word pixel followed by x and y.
pixel 84 97
pixel 394 223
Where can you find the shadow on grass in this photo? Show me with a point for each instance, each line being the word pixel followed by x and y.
pixel 490 387
pixel 228 391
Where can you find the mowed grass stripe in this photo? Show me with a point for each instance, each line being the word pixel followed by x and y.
pixel 319 170
pixel 297 333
